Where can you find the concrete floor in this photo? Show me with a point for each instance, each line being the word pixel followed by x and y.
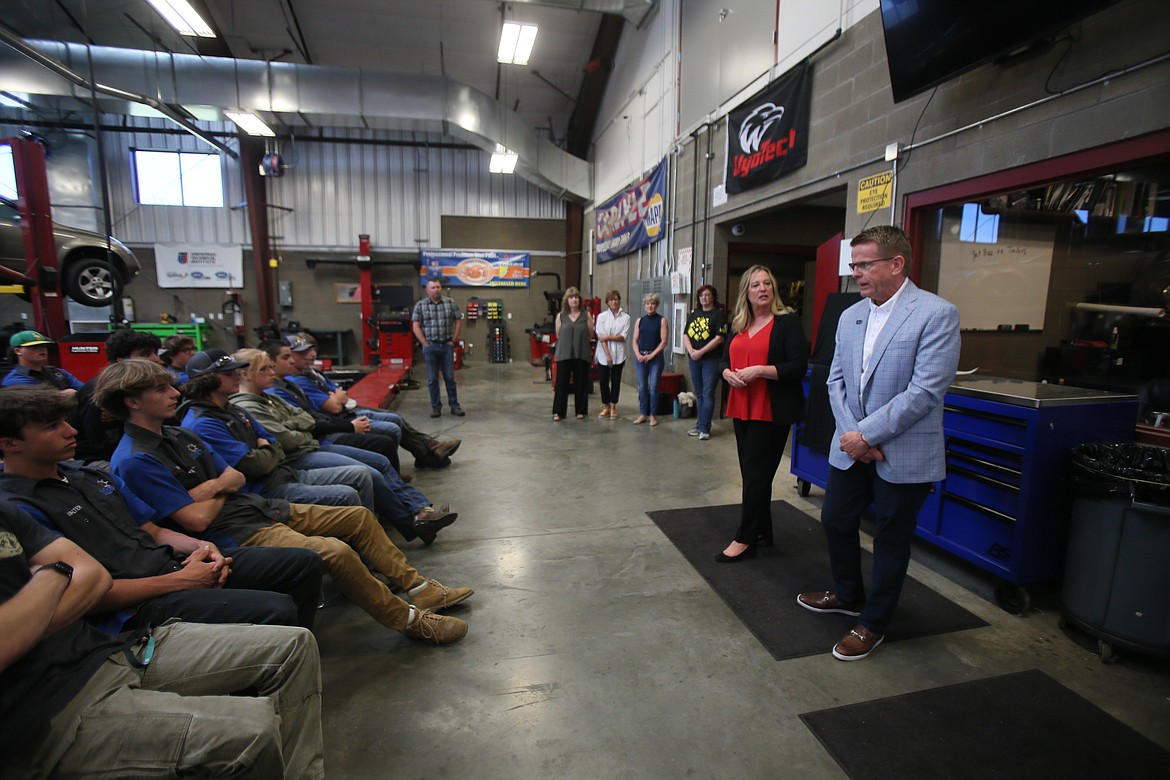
pixel 596 651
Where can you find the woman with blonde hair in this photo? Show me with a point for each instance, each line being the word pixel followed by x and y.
pixel 765 362
pixel 649 341
pixel 573 356
pixel 612 326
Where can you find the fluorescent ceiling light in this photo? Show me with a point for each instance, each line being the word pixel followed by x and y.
pixel 503 161
pixel 516 42
pixel 185 19
pixel 250 123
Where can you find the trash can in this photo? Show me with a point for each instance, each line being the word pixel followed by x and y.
pixel 1116 581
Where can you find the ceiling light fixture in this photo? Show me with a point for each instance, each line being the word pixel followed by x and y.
pixel 185 19
pixel 250 123
pixel 503 160
pixel 516 42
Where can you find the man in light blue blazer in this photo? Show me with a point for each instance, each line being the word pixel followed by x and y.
pixel 895 358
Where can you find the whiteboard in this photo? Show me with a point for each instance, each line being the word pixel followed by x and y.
pixel 1004 282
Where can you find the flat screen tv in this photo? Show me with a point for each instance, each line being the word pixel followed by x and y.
pixel 931 41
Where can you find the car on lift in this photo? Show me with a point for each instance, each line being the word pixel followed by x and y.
pixel 85 275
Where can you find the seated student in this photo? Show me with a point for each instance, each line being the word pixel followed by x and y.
pixel 347 429
pixel 176 351
pixel 175 472
pixel 75 701
pixel 246 446
pixel 158 573
pixel 292 427
pixel 308 388
pixel 30 351
pixel 98 434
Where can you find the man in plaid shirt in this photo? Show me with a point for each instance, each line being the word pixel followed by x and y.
pixel 437 324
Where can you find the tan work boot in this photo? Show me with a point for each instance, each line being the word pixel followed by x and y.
pixel 430 626
pixel 436 596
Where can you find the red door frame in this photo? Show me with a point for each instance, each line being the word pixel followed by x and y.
pixel 1154 147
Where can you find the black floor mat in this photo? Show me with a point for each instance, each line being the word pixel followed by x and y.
pixel 1023 725
pixel 762 592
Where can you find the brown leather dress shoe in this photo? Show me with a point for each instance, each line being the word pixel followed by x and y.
pixel 857 644
pixel 826 601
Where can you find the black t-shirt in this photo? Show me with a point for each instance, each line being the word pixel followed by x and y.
pixel 702 326
pixel 45 679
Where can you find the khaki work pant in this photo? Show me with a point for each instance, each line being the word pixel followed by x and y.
pixel 347 538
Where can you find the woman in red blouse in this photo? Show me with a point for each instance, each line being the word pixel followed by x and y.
pixel 764 365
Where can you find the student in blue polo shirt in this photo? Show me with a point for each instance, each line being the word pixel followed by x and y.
pixel 158 573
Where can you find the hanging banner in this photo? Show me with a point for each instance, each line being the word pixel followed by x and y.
pixel 199 265
pixel 768 135
pixel 633 219
pixel 474 269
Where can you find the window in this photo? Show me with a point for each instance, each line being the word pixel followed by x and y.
pixel 978 227
pixel 7 173
pixel 178 178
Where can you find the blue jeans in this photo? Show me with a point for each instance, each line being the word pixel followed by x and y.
pixel 648 376
pixel 396 507
pixel 705 378
pixel 385 423
pixel 349 485
pixel 441 356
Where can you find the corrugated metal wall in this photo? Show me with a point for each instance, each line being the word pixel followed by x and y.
pixel 395 187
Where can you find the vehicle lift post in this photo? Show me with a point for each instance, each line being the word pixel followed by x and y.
pixel 40 248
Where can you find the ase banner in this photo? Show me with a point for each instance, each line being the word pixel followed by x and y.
pixel 633 219
pixel 768 135
pixel 474 269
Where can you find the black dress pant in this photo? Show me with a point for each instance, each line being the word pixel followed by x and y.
pixel 577 370
pixel 760 446
pixel 610 379
pixel 896 506
pixel 274 586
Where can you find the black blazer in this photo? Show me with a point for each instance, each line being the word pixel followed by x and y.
pixel 788 352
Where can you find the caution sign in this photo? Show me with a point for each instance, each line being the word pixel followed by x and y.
pixel 875 192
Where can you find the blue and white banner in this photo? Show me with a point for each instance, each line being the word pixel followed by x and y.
pixel 199 265
pixel 475 269
pixel 633 219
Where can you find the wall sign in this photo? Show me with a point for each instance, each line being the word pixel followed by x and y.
pixel 875 192
pixel 199 265
pixel 475 269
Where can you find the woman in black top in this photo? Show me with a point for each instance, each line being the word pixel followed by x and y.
pixel 649 341
pixel 704 336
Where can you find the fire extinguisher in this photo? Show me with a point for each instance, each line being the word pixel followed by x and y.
pixel 237 311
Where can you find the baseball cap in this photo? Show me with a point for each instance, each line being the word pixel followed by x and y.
pixel 212 361
pixel 28 338
pixel 298 344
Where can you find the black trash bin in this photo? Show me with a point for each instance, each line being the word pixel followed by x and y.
pixel 1116 577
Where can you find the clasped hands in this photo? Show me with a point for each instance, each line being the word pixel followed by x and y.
pixel 743 376
pixel 208 567
pixel 855 446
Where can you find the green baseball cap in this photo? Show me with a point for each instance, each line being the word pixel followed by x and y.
pixel 29 338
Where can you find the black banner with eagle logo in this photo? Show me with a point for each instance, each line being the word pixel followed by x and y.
pixel 768 135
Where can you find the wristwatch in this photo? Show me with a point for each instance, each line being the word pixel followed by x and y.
pixel 60 567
